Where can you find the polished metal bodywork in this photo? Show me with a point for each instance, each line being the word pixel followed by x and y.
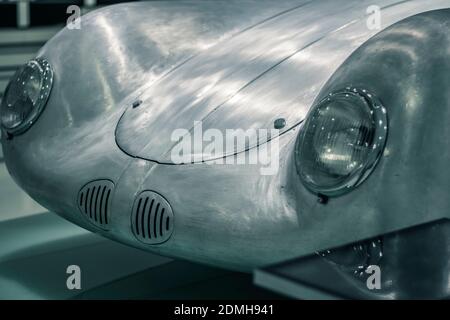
pixel 240 64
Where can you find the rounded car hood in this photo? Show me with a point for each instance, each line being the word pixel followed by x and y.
pixel 272 70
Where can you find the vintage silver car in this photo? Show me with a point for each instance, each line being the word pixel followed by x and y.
pixel 356 115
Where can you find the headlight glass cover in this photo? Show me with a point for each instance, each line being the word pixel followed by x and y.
pixel 26 96
pixel 341 141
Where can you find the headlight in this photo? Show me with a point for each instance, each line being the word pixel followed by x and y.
pixel 341 141
pixel 26 96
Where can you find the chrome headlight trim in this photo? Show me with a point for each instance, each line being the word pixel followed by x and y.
pixel 17 84
pixel 379 128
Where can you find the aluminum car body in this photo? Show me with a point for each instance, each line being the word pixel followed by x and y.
pixel 236 65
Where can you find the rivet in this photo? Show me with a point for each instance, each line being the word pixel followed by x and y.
pixel 136 104
pixel 322 199
pixel 279 123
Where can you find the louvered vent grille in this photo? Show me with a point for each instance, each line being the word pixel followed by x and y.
pixel 152 218
pixel 94 202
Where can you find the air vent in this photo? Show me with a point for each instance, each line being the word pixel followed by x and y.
pixel 152 218
pixel 94 202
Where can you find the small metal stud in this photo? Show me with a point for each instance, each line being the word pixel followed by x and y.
pixel 322 199
pixel 136 104
pixel 279 123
